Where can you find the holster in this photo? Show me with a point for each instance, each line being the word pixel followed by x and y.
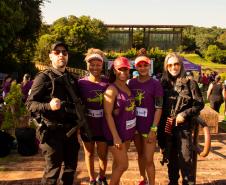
pixel 41 131
pixel 43 134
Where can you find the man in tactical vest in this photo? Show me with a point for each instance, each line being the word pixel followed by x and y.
pixel 54 101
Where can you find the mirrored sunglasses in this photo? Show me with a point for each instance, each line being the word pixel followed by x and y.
pixel 57 52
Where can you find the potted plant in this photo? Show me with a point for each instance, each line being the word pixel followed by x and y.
pixel 16 121
pixel 15 114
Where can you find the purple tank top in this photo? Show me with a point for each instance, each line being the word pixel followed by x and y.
pixel 125 119
pixel 92 95
pixel 145 94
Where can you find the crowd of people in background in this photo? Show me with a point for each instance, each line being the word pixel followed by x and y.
pixel 120 109
pixel 25 85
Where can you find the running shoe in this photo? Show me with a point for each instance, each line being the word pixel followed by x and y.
pixel 102 181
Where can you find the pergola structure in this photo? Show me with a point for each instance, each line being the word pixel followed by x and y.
pixel 124 37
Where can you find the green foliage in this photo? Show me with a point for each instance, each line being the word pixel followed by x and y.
pixel 112 55
pixel 188 44
pixel 158 57
pixel 131 53
pixel 14 107
pixel 199 38
pixel 79 33
pixel 43 48
pixel 19 28
pixel 223 76
pixel 204 40
pixel 222 40
pixel 215 54
pixel 12 21
pixel 155 54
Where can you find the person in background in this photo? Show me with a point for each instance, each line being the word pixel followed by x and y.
pixel 91 89
pixel 135 74
pixel 181 101
pixel 119 108
pixel 53 103
pixel 224 96
pixel 26 86
pixel 205 82
pixel 6 85
pixel 214 93
pixel 148 94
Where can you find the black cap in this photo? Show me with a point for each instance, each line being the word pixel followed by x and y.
pixel 59 43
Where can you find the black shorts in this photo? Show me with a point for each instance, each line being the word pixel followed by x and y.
pixel 94 138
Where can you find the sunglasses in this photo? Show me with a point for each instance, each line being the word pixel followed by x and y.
pixel 174 64
pixel 57 52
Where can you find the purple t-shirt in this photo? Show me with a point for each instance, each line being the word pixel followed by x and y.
pixel 125 119
pixel 145 94
pixel 92 95
pixel 6 88
pixel 25 89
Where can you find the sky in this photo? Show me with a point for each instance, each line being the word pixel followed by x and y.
pixel 202 13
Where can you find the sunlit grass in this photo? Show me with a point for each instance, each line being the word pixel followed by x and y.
pixel 203 62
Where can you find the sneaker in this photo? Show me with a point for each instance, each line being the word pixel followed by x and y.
pixel 102 181
pixel 93 182
pixel 143 182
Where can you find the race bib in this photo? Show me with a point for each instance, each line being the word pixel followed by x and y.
pixel 95 113
pixel 130 124
pixel 142 112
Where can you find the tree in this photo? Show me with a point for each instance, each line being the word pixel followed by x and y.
pixel 20 25
pixel 222 39
pixel 199 38
pixel 204 40
pixel 12 21
pixel 79 33
pixel 215 54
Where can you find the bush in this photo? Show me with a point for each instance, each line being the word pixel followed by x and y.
pixel 215 54
pixel 14 108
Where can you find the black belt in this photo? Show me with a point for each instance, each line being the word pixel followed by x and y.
pixel 55 124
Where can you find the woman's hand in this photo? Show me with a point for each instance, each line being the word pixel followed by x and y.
pixel 117 142
pixel 151 137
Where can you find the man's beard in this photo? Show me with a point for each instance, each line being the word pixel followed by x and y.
pixel 62 64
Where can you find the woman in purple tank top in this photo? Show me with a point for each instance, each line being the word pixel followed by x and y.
pixel 92 88
pixel 148 94
pixel 119 108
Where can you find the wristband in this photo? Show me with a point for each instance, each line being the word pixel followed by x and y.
pixel 154 128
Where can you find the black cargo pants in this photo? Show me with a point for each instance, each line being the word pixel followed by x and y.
pixel 180 157
pixel 61 156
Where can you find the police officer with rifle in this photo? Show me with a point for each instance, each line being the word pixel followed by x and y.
pixel 181 102
pixel 59 114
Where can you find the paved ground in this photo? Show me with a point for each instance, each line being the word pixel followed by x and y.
pixel 18 170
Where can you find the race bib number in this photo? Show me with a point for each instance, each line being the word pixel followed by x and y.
pixel 142 112
pixel 95 113
pixel 130 124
